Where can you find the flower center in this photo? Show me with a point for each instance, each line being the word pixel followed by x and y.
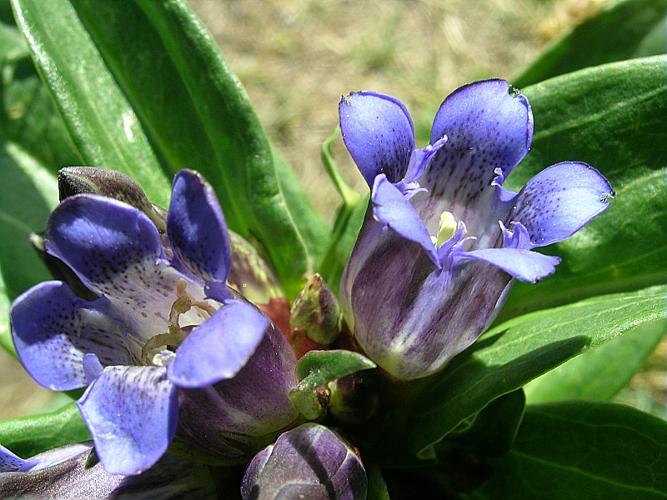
pixel 446 228
pixel 183 312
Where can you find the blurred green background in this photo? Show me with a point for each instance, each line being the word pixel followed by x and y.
pixel 296 58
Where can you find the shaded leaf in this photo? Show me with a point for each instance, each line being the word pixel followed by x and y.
pixel 591 450
pixel 628 29
pixel 517 351
pixel 29 194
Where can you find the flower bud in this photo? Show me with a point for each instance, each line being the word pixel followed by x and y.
pixel 315 312
pixel 310 461
pixel 110 183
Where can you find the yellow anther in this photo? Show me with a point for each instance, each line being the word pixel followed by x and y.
pixel 446 228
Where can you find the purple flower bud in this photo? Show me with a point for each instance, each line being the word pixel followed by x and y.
pixel 315 312
pixel 310 461
pixel 442 239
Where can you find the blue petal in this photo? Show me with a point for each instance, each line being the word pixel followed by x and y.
pixel 391 208
pixel 217 349
pixel 379 134
pixel 521 264
pixel 116 251
pixel 53 330
pixel 236 416
pixel 196 228
pixel 310 461
pixel 131 412
pixel 9 462
pixel 487 128
pixel 559 201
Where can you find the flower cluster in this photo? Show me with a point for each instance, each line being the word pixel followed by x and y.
pixel 148 315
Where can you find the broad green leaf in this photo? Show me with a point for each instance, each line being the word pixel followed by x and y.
pixel 319 367
pixel 172 89
pixel 628 29
pixel 27 436
pixel 583 450
pixel 519 350
pixel 612 117
pixel 600 373
pixel 99 117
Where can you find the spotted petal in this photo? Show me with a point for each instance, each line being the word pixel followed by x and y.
pixel 217 349
pixel 559 201
pixel 487 128
pixel 310 461
pixel 116 251
pixel 379 134
pixel 131 412
pixel 53 330
pixel 196 228
pixel 392 209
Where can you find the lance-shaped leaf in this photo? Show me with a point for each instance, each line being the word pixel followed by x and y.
pixel 600 450
pixel 310 461
pixel 627 29
pixel 99 117
pixel 622 132
pixel 513 353
pixel 208 124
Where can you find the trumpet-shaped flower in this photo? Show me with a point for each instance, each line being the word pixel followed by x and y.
pixel 442 239
pixel 164 323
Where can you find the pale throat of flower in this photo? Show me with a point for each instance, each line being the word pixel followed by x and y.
pixel 156 351
pixel 446 229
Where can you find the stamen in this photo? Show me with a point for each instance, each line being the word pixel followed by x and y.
pixel 446 228
pixel 175 332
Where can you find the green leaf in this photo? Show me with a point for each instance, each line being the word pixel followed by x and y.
pixel 612 117
pixel 170 103
pixel 628 29
pixel 29 194
pixel 377 487
pixel 589 450
pixel 103 125
pixel 27 436
pixel 347 225
pixel 517 351
pixel 319 367
pixel 599 373
pixel 494 429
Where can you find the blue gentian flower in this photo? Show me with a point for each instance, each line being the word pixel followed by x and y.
pixel 310 461
pixel 164 328
pixel 442 238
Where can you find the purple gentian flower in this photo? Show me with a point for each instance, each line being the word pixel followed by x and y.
pixel 67 472
pixel 161 321
pixel 443 239
pixel 311 462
